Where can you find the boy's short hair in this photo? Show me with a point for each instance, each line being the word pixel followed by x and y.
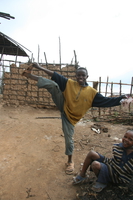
pixel 82 68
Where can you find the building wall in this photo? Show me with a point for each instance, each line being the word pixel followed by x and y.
pixel 18 90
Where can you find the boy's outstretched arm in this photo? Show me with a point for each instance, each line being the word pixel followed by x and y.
pixel 101 101
pixel 47 71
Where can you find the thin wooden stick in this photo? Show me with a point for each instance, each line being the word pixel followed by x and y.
pixel 120 87
pixel 111 95
pixel 106 86
pixel 131 86
pixel 99 92
pixel 45 59
pixel 106 90
pixel 131 92
pixel 76 63
pixel 38 53
pixel 120 92
pixel 48 195
pixel 32 58
pixel 60 52
pixel 48 117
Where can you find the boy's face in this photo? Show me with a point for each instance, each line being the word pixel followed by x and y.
pixel 127 140
pixel 81 76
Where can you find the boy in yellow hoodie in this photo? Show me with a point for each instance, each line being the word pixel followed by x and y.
pixel 73 99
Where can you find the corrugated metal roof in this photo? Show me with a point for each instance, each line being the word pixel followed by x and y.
pixel 8 46
pixel 6 16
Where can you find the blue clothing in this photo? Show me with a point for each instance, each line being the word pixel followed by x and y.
pixel 120 167
pixel 103 176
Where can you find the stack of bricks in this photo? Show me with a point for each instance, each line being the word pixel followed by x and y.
pixel 18 90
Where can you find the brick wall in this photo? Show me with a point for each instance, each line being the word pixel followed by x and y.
pixel 18 90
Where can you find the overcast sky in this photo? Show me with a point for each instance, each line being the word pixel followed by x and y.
pixel 100 31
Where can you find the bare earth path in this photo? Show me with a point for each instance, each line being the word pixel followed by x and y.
pixel 32 160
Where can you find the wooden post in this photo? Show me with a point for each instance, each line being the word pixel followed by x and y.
pixel 76 63
pixel 131 86
pixel 60 52
pixel 106 86
pixel 2 53
pixel 120 87
pixel 95 84
pixel 131 92
pixel 111 89
pixel 38 53
pixel 99 92
pixel 32 57
pixel 16 55
pixel 106 91
pixel 120 91
pixel 45 59
pixel 111 94
pixel 72 61
pixel 99 84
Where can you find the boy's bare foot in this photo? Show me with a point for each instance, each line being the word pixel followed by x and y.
pixel 37 66
pixel 27 71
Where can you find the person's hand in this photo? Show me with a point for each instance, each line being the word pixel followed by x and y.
pixel 37 66
pixel 125 96
pixel 126 102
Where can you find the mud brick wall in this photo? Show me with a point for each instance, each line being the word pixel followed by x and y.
pixel 18 90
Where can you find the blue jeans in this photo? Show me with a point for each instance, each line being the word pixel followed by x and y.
pixel 58 98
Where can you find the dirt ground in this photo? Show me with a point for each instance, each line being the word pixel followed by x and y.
pixel 32 161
